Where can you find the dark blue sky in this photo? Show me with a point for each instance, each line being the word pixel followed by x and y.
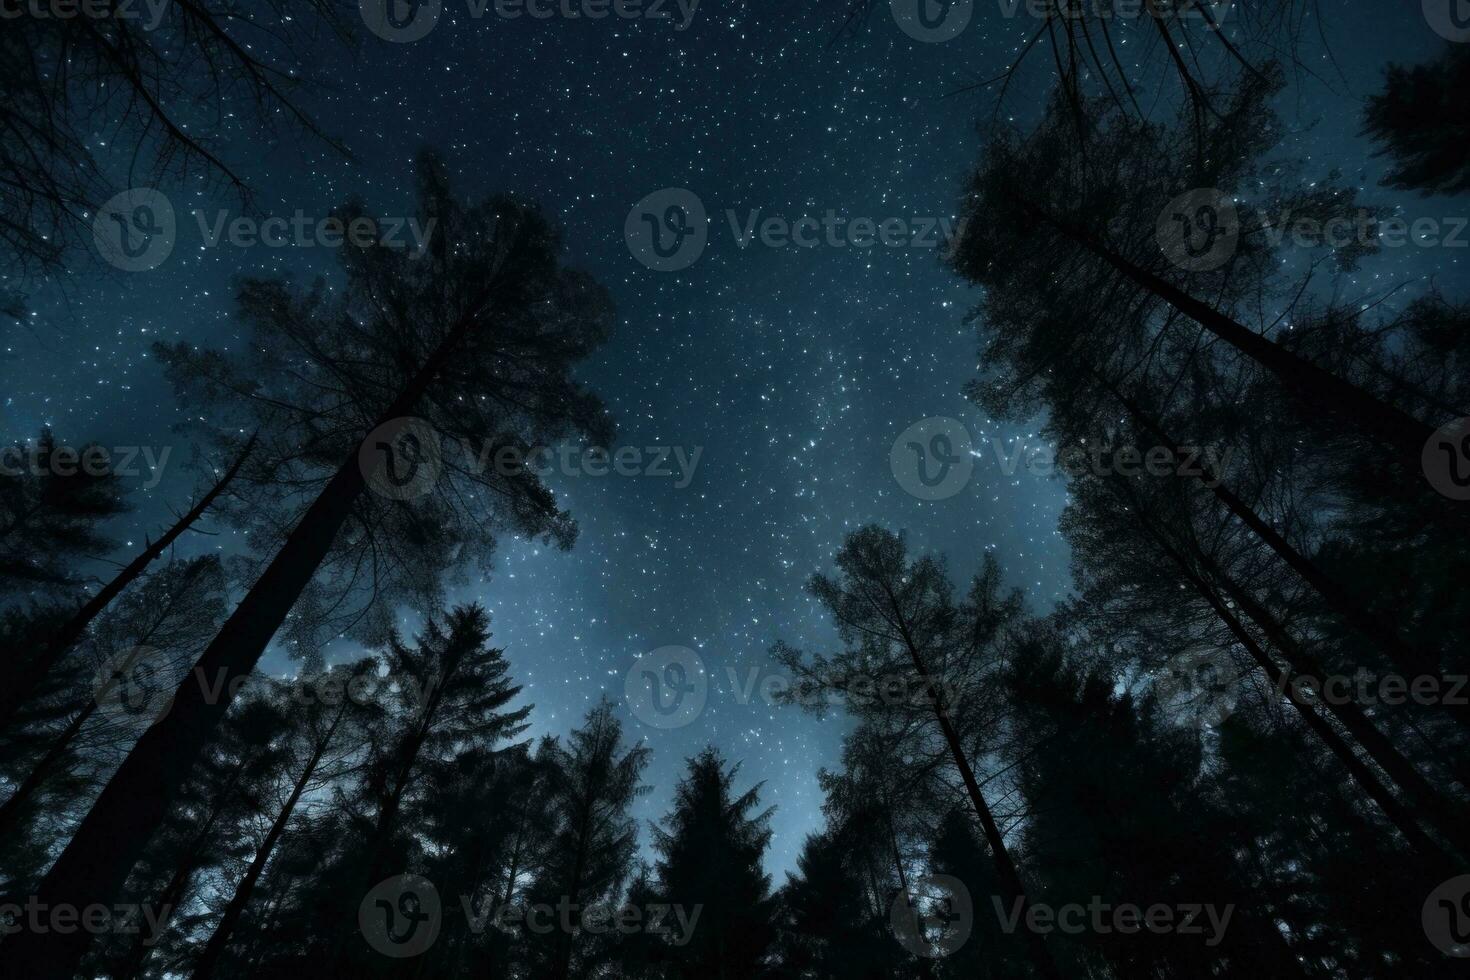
pixel 794 369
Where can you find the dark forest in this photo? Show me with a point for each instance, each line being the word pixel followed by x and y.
pixel 716 490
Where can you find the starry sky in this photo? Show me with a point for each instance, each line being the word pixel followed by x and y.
pixel 794 369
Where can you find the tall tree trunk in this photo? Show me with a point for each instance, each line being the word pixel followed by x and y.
pixel 22 687
pixel 1397 813
pixel 1318 390
pixel 1352 611
pixel 13 810
pixel 925 967
pixel 1363 730
pixel 219 940
pixel 1010 877
pixel 95 864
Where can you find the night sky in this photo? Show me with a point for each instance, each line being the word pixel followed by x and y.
pixel 794 369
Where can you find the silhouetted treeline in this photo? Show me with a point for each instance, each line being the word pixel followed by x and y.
pixel 1194 767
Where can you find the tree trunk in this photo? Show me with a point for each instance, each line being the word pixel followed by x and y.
pixel 106 845
pixel 24 686
pixel 1319 390
pixel 1010 877
pixel 1351 610
pixel 1395 811
pixel 219 940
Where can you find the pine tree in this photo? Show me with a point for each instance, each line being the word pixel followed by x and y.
pixel 479 336
pixel 1423 126
pixel 53 501
pixel 710 847
pixel 593 782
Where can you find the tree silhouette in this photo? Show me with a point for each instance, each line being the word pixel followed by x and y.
pixel 52 500
pixel 147 639
pixel 592 783
pixel 710 848
pixel 69 77
pixel 50 652
pixel 900 620
pixel 480 336
pixel 1422 127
